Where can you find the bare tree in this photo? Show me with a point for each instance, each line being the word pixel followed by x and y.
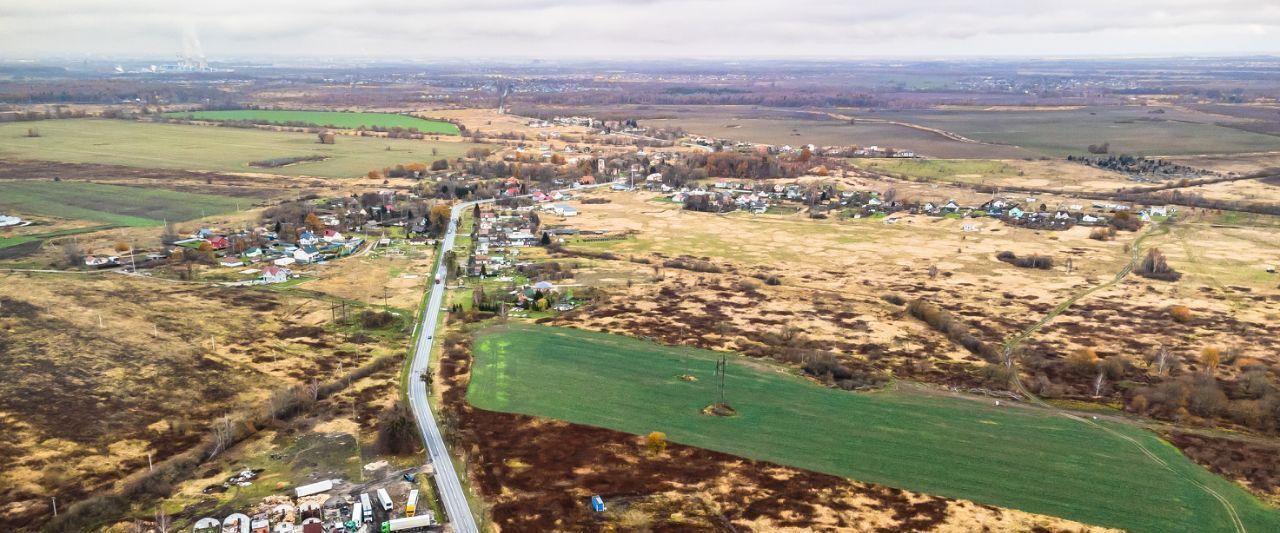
pixel 221 436
pixel 72 252
pixel 163 521
pixel 170 233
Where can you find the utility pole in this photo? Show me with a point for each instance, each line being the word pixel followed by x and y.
pixel 721 366
pixel 359 459
pixel 55 506
pixel 150 467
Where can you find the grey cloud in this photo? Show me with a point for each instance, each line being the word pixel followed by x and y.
pixel 650 28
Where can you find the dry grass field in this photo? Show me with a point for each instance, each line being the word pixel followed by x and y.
pixel 102 369
pixel 695 279
pixel 1237 163
pixel 1052 174
pixel 1260 191
pixel 488 120
pixel 785 126
pixel 1130 129
pixel 834 278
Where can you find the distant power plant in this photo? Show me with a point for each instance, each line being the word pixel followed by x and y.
pixel 192 56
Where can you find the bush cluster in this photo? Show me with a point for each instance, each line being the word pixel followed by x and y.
pixel 1042 262
pixel 942 321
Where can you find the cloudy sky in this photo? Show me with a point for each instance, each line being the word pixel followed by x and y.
pixel 434 29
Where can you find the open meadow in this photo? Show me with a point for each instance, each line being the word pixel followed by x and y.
pixel 335 119
pixel 1135 130
pixel 783 126
pixel 111 204
pixel 1097 473
pixel 1054 174
pixel 186 147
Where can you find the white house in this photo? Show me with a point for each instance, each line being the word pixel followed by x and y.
pixel 100 260
pixel 231 261
pixel 274 274
pixel 284 261
pixel 305 254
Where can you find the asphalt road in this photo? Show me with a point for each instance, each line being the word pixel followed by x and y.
pixel 451 494
pixel 455 501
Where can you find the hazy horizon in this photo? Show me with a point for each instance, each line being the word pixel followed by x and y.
pixel 400 30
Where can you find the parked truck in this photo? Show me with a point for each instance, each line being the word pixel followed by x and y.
pixel 367 507
pixel 411 504
pixel 384 499
pixel 413 523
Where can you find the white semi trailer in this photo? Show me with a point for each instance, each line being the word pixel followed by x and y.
pixel 411 523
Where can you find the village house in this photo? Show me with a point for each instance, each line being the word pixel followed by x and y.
pixel 99 261
pixel 306 254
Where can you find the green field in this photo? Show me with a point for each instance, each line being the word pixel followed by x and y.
pixel 109 204
pixel 1129 129
pixel 335 119
pixel 1022 458
pixel 185 147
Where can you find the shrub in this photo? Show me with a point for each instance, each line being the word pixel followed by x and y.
pixel 1032 261
pixel 397 431
pixel 1207 399
pixel 1102 234
pixel 1156 267
pixel 696 265
pixel 958 332
pixel 894 299
pixel 1125 220
pixel 1114 367
pixel 1082 361
pixel 375 319
pixel 656 442
pixel 1138 404
pixel 1180 313
pixel 1210 356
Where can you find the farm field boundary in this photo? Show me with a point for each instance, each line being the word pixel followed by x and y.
pixel 1028 459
